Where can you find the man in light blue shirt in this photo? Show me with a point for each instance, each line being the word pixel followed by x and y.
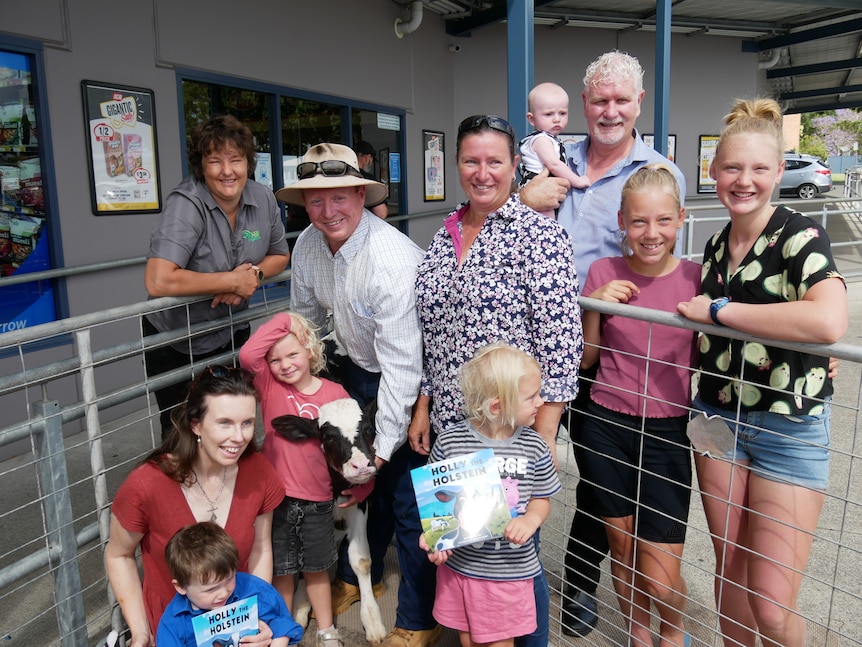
pixel 611 153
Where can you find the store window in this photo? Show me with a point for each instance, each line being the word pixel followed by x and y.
pixel 383 132
pixel 202 100
pixel 285 123
pixel 24 226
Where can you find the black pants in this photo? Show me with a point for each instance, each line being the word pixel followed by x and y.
pixel 588 541
pixel 392 510
pixel 164 359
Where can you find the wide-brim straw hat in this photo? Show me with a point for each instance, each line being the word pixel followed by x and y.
pixel 375 192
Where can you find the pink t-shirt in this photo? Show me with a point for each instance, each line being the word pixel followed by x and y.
pixel 301 466
pixel 623 379
pixel 153 504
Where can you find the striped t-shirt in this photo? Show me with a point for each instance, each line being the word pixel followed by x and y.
pixel 525 466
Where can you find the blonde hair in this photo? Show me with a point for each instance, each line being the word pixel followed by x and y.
pixel 614 67
pixel 306 334
pixel 653 178
pixel 754 116
pixel 495 372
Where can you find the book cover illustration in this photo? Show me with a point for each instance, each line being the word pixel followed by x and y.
pixel 461 500
pixel 223 627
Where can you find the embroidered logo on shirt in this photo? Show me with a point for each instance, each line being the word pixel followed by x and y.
pixel 250 235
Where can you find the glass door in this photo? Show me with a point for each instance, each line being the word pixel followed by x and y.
pixel 383 132
pixel 23 227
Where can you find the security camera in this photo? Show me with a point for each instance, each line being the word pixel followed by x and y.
pixel 454 48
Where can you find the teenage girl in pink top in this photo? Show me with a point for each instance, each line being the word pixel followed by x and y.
pixel 637 451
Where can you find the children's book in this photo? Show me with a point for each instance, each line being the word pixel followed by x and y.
pixel 461 500
pixel 223 627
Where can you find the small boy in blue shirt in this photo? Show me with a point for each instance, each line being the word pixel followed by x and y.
pixel 203 560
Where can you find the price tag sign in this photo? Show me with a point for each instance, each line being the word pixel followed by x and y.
pixel 103 133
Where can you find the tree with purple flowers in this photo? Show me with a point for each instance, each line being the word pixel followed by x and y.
pixel 831 133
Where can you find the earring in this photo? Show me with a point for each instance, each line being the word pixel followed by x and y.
pixel 198 439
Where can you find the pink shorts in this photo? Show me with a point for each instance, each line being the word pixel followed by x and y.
pixel 489 610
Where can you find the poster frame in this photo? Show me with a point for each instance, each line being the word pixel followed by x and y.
pixel 434 174
pixel 706 145
pixel 94 95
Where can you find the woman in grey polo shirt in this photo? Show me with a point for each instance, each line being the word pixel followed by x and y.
pixel 220 233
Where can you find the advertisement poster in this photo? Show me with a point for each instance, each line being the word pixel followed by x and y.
pixel 649 140
pixel 705 155
pixel 121 141
pixel 435 176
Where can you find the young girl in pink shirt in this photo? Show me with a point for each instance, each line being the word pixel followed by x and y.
pixel 285 354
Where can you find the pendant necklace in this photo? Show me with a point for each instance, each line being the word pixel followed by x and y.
pixel 212 502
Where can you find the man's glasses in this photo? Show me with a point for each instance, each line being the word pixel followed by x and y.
pixel 327 168
pixel 220 372
pixel 493 121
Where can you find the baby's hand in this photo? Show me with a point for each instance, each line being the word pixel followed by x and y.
pixel 618 291
pixel 581 182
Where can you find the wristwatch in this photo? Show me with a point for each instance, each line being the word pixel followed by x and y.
pixel 259 273
pixel 716 305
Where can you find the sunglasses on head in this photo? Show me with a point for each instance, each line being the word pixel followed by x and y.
pixel 327 168
pixel 493 121
pixel 220 372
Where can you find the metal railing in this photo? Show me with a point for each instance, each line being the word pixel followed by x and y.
pixel 704 216
pixel 55 497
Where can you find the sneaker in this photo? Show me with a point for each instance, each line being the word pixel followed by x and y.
pixel 329 638
pixel 399 637
pixel 344 595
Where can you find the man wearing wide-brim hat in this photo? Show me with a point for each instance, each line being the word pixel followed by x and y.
pixel 362 270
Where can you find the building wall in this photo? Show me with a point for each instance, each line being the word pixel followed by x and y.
pixel 342 48
pixel 706 74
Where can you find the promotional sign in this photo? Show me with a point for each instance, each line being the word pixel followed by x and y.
pixel 121 140
pixel 434 166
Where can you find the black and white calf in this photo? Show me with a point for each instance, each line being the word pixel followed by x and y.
pixel 346 435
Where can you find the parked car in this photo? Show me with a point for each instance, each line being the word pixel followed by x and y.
pixel 805 176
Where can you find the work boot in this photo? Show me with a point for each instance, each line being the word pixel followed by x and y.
pixel 399 637
pixel 344 595
pixel 580 613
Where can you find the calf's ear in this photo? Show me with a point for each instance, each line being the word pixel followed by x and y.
pixel 295 428
pixel 369 413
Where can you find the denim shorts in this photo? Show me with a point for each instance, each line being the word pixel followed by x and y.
pixel 787 449
pixel 303 536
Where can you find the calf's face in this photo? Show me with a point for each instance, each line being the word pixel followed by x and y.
pixel 346 434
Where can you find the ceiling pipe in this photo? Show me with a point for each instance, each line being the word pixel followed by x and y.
pixel 772 61
pixel 403 27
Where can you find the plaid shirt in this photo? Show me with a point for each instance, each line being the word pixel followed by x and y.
pixel 367 285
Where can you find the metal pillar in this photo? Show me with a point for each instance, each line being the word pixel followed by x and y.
pixel 662 74
pixel 63 547
pixel 519 28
